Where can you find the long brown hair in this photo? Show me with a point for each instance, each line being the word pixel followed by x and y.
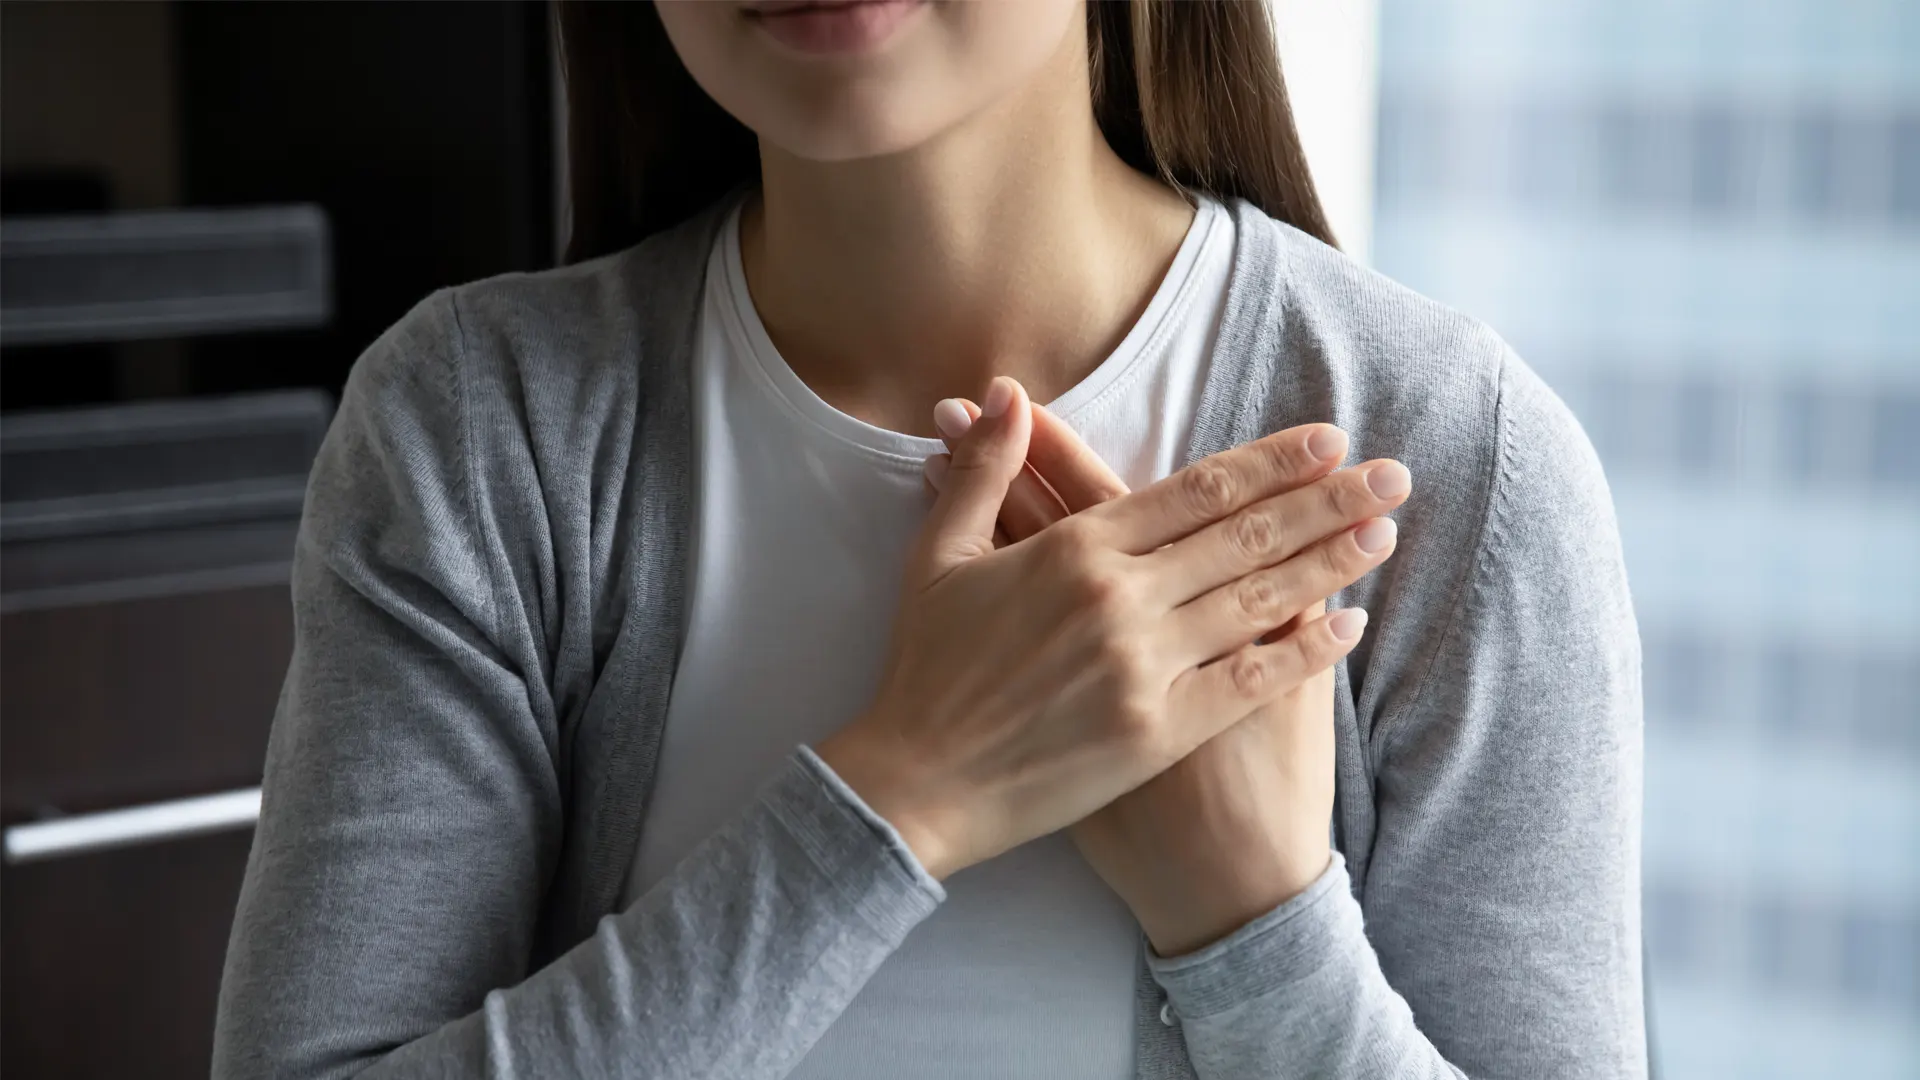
pixel 1189 91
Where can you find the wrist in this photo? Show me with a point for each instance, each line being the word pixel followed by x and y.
pixel 1213 906
pixel 862 760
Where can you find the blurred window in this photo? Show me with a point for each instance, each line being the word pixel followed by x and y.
pixel 1699 220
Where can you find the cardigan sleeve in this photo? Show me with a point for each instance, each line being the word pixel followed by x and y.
pixel 412 816
pixel 1498 931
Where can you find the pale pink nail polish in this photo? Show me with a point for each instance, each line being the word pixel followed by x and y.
pixel 1327 444
pixel 1376 536
pixel 950 418
pixel 999 396
pixel 1389 480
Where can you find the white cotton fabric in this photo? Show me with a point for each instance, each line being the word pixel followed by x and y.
pixel 804 519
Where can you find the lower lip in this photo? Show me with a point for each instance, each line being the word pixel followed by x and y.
pixel 837 28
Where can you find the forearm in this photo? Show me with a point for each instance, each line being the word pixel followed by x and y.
pixel 1296 992
pixel 732 966
pixel 1499 818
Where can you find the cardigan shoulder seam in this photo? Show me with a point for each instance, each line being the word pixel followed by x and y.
pixel 1388 732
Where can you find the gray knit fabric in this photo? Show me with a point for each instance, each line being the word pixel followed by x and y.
pixel 489 600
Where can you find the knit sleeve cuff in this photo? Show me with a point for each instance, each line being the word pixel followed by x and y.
pixel 1285 946
pixel 856 849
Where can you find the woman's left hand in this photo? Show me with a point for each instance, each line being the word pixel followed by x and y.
pixel 1237 827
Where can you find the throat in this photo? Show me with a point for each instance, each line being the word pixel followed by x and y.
pixel 890 321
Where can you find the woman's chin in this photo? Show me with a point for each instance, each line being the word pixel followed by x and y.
pixel 851 129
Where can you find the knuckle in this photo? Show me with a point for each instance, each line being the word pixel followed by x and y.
pixel 1336 496
pixel 1209 488
pixel 1249 672
pixel 1253 535
pixel 1100 584
pixel 1122 654
pixel 1309 651
pixel 1256 598
pixel 1337 555
pixel 956 549
pixel 1072 542
pixel 1065 553
pixel 1101 591
pixel 966 464
pixel 1137 724
pixel 1291 458
pixel 970 450
pixel 981 455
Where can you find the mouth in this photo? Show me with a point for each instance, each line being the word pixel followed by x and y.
pixel 830 27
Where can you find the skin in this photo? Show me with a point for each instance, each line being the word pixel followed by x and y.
pixel 947 199
pixel 1217 817
pixel 938 209
pixel 1033 684
pixel 1244 817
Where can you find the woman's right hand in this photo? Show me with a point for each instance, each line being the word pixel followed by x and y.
pixel 1029 686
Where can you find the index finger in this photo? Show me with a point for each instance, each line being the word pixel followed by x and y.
pixel 1069 465
pixel 1031 503
pixel 1214 487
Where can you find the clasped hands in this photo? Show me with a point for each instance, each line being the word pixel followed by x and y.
pixel 1151 670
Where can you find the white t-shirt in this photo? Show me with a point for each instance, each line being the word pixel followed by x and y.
pixel 804 519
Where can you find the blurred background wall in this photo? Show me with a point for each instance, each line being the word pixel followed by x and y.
pixel 1699 219
pixel 207 211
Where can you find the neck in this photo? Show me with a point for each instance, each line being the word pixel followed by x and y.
pixel 1016 243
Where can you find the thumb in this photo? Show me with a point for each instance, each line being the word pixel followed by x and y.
pixel 984 464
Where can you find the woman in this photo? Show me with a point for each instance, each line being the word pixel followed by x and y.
pixel 650 717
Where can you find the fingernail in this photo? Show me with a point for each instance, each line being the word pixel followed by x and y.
pixel 951 419
pixel 999 396
pixel 1327 444
pixel 1376 536
pixel 1347 623
pixel 936 469
pixel 1389 480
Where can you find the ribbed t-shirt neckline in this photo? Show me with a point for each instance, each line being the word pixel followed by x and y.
pixel 1146 339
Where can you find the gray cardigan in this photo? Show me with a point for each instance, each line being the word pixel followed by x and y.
pixel 489 596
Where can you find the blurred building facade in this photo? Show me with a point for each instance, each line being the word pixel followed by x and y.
pixel 1700 221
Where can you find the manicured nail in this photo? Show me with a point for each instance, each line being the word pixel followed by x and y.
pixel 1347 623
pixel 1376 536
pixel 1389 480
pixel 936 469
pixel 951 419
pixel 1327 443
pixel 999 396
